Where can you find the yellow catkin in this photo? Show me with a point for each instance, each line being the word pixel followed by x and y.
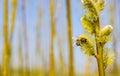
pixel 95 1
pixel 71 57
pixel 52 67
pixel 106 30
pixel 6 43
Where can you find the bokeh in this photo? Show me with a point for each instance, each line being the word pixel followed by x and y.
pixel 36 38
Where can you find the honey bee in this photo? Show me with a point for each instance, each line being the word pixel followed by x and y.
pixel 79 41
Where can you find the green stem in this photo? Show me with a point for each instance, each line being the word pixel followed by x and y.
pixel 100 60
pixel 99 48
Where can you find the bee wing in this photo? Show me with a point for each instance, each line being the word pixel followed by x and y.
pixel 74 41
pixel 74 38
pixel 74 44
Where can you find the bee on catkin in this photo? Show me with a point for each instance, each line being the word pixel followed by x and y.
pixel 86 43
pixel 79 41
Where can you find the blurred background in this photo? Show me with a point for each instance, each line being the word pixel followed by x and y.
pixel 35 39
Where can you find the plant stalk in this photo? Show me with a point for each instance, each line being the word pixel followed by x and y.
pixel 52 61
pixel 6 41
pixel 99 48
pixel 71 57
pixel 27 71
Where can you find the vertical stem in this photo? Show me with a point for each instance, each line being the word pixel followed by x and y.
pixel 100 60
pixel 20 56
pixel 12 25
pixel 112 22
pixel 52 67
pixel 87 71
pixel 71 59
pixel 6 43
pixel 13 15
pixel 60 57
pixel 27 72
pixel 99 48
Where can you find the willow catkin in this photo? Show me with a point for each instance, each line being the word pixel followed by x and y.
pixel 108 57
pixel 87 44
pixel 106 30
pixel 87 24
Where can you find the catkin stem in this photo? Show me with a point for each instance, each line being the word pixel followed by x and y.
pixel 99 48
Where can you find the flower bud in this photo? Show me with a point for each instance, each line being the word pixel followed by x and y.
pixel 106 30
